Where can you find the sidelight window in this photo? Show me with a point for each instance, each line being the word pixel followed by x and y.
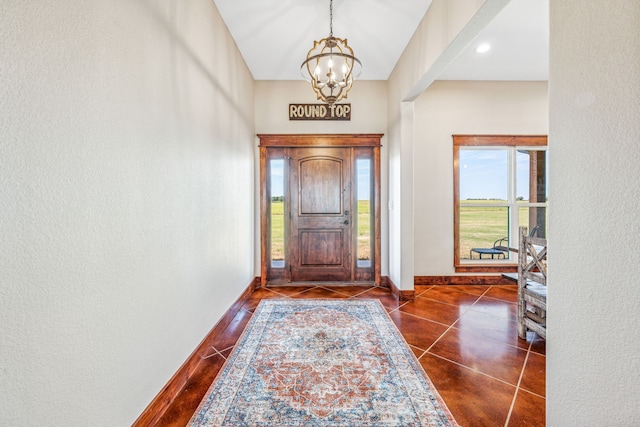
pixel 363 212
pixel 276 207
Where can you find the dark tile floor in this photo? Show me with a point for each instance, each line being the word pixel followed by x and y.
pixel 465 337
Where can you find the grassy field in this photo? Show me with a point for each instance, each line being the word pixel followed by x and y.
pixel 364 229
pixel 277 230
pixel 481 225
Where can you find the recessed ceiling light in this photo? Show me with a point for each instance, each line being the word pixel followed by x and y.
pixel 483 48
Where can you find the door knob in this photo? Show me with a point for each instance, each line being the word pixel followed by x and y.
pixel 346 221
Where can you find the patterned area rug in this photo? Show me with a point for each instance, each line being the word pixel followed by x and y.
pixel 322 363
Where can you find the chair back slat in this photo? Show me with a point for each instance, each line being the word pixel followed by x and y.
pixel 532 281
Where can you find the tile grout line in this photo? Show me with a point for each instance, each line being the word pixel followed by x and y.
pixel 421 354
pixel 515 395
pixel 225 349
pixel 213 354
pixel 430 287
pixel 280 293
pixel 440 337
pixel 346 296
pixel 455 322
pixel 471 369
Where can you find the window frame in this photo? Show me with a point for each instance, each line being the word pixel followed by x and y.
pixel 511 142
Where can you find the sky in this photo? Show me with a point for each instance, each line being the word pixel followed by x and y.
pixel 484 174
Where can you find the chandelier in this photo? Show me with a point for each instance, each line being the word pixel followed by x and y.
pixel 330 66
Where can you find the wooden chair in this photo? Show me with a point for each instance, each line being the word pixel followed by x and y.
pixel 532 285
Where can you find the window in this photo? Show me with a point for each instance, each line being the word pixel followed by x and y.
pixel 363 216
pixel 276 192
pixel 500 184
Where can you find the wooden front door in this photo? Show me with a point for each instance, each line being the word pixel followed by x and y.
pixel 319 226
pixel 320 208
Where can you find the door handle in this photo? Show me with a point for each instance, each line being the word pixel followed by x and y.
pixel 346 221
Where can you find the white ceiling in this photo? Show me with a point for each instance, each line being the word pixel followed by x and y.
pixel 519 39
pixel 274 37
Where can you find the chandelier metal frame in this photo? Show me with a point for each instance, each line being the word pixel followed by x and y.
pixel 335 56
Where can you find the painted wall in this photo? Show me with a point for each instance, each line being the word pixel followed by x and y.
pixel 368 101
pixel 453 107
pixel 443 32
pixel 126 185
pixel 593 360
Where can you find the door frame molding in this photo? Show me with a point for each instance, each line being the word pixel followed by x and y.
pixel 352 141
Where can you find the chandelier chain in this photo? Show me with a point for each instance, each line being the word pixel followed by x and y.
pixel 330 18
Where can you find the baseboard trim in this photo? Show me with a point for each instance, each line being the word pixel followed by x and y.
pixel 384 282
pixel 402 295
pixel 461 280
pixel 156 409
